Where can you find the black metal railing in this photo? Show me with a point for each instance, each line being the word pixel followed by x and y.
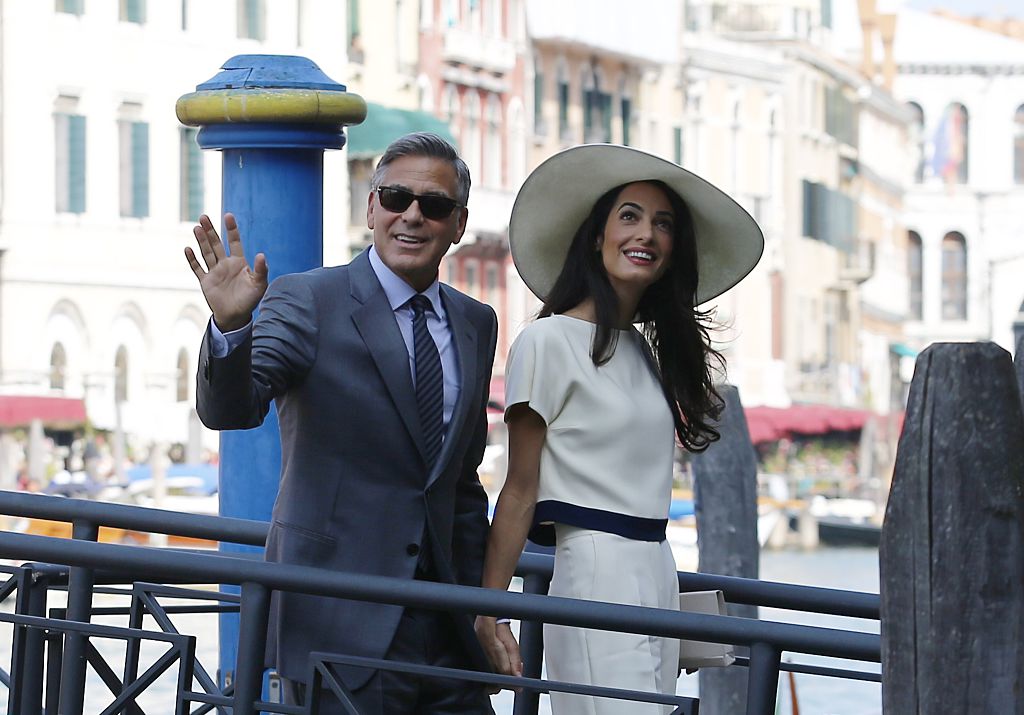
pixel 90 563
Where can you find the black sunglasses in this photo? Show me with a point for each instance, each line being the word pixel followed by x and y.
pixel 432 207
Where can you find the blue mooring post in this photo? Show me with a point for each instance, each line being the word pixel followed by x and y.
pixel 271 117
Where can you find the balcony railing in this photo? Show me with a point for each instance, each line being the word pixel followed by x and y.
pixel 494 54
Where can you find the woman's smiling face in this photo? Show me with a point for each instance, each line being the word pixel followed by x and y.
pixel 636 244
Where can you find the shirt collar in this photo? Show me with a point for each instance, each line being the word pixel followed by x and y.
pixel 399 292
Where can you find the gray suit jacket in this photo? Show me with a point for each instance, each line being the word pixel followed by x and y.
pixel 355 493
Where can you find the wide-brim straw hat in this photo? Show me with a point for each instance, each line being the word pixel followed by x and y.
pixel 560 193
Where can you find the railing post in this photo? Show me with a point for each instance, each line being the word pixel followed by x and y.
pixel 29 698
pixel 80 585
pixel 763 679
pixel 252 642
pixel 531 648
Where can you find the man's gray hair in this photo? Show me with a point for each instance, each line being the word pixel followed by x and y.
pixel 426 144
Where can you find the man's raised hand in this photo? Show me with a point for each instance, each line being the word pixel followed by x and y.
pixel 231 288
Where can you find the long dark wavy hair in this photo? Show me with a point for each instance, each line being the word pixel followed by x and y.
pixel 678 333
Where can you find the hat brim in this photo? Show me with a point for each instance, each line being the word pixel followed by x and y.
pixel 560 193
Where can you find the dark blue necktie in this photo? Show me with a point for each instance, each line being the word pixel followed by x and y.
pixel 429 379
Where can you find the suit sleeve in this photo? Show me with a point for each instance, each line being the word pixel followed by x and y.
pixel 234 391
pixel 471 524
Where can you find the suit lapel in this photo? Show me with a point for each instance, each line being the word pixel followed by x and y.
pixel 376 324
pixel 464 339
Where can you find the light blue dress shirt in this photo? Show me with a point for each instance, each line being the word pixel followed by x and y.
pixel 398 293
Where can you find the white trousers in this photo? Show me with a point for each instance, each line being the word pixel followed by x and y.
pixel 598 566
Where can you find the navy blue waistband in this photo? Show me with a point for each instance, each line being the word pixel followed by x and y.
pixel 548 513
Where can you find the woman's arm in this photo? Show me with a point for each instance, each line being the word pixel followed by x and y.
pixel 513 516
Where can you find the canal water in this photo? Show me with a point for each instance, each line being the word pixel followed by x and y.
pixel 847 568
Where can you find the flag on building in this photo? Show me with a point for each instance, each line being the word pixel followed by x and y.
pixel 949 143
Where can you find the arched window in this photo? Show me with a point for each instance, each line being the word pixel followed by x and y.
pixel 492 144
pixel 181 384
pixel 950 153
pixel 917 137
pixel 1018 145
pixel 954 276
pixel 915 263
pixel 58 366
pixel 121 375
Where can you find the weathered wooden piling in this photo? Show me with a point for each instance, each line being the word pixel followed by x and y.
pixel 1018 363
pixel 952 550
pixel 725 482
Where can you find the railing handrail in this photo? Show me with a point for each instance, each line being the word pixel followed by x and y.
pixel 212 568
pixel 225 529
pixel 774 594
pixel 138 518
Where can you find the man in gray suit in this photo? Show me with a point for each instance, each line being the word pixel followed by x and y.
pixel 380 440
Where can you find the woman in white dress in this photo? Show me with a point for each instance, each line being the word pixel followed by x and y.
pixel 609 237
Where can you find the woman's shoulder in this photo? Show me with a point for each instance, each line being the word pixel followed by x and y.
pixel 550 330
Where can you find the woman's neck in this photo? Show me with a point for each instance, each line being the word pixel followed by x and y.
pixel 587 310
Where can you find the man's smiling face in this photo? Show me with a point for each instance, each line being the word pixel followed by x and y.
pixel 409 243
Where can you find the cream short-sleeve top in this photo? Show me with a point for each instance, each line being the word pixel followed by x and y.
pixel 606 463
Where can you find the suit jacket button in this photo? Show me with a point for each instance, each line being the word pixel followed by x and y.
pixel 412 549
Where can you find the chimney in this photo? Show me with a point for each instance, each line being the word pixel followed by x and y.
pixel 887 29
pixel 868 17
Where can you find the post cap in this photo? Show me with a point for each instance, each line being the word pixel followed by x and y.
pixel 280 89
pixel 270 72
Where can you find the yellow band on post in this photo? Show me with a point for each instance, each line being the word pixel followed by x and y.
pixel 270 105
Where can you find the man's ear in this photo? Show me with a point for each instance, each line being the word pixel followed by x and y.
pixel 461 227
pixel 369 211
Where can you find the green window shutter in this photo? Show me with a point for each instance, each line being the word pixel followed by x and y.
pixel 538 101
pixel 76 164
pixel 133 11
pixel 677 144
pixel 588 115
pixel 353 20
pixel 255 19
pixel 808 210
pixel 606 115
pixel 627 119
pixel 193 185
pixel 140 169
pixel 70 7
pixel 563 108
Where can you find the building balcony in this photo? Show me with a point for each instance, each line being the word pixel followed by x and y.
pixel 773 19
pixel 494 54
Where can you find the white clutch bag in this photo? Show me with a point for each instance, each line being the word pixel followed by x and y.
pixel 697 654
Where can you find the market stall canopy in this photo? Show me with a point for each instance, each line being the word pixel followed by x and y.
pixel 385 124
pixel 53 412
pixel 768 424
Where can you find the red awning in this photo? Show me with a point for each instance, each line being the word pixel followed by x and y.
pixel 57 412
pixel 768 424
